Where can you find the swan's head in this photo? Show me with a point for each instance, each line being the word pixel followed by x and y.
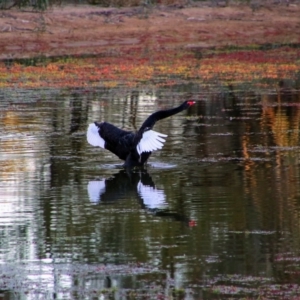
pixel 190 102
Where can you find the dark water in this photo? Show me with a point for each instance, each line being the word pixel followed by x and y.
pixel 216 213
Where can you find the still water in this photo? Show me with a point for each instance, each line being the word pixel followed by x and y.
pixel 215 214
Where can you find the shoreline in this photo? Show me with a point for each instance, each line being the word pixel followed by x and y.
pixel 92 30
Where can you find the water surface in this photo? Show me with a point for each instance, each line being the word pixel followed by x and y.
pixel 214 214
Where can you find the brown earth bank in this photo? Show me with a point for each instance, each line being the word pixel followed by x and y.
pixel 84 29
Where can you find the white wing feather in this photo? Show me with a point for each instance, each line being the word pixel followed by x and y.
pixel 93 136
pixel 150 141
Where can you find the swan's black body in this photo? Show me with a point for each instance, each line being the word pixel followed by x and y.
pixel 125 144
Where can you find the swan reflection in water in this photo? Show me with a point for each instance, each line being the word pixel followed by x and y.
pixel 153 200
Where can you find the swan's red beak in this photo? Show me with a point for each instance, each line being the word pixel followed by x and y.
pixel 190 103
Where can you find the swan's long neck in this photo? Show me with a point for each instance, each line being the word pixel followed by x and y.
pixel 162 114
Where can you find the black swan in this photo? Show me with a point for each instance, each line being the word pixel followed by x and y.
pixel 133 147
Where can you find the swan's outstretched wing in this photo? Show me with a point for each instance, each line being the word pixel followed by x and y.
pixel 93 136
pixel 150 141
pixel 110 137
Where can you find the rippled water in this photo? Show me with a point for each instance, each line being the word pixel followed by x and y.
pixel 214 214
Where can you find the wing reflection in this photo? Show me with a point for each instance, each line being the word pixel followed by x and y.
pixel 152 197
pixel 123 184
pixel 96 188
pixel 141 185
